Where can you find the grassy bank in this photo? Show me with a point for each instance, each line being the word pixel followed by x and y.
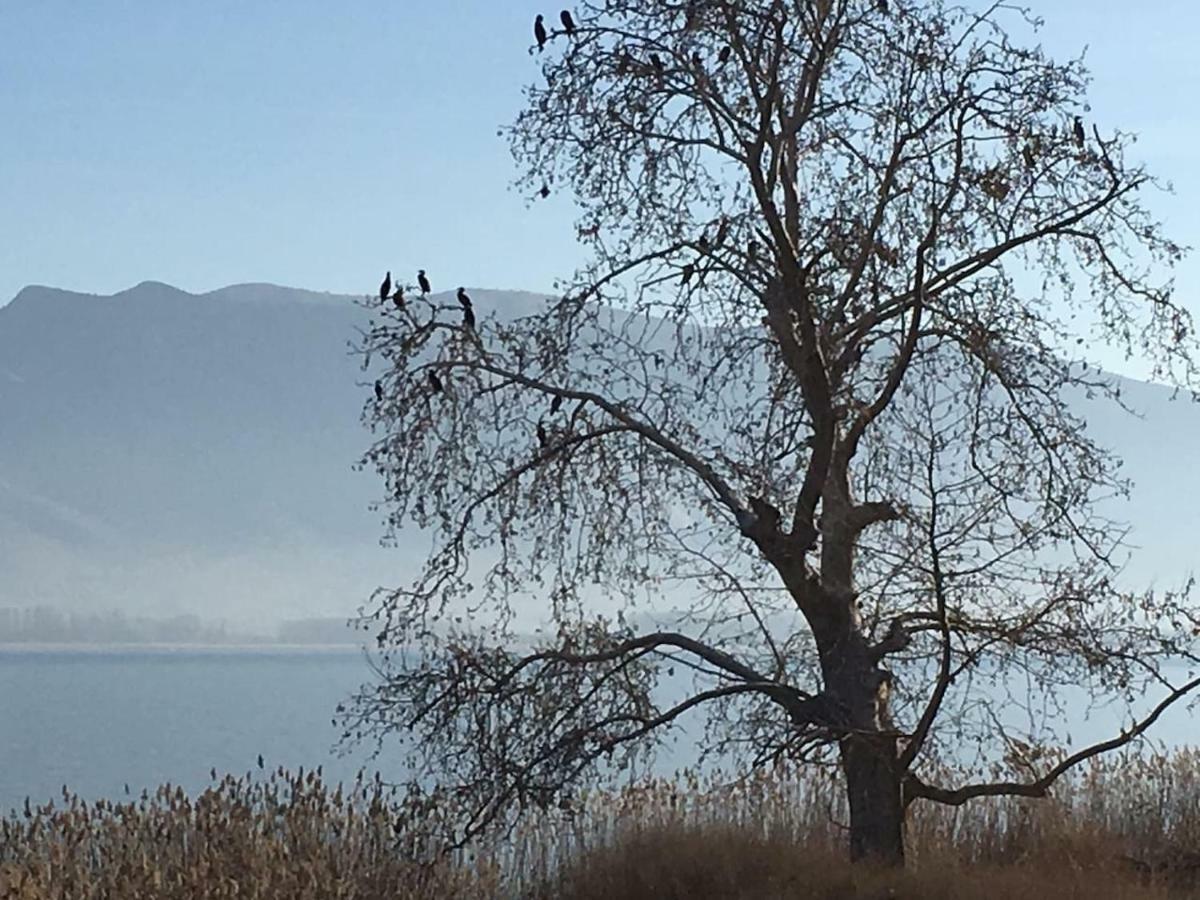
pixel 1122 829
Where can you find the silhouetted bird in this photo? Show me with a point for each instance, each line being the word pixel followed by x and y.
pixel 398 297
pixel 385 288
pixel 697 61
pixel 722 231
pixel 882 6
pixel 1030 158
pixel 567 22
pixel 543 438
pixel 539 32
pixel 688 271
pixel 260 761
pixel 764 512
pixel 656 61
pixel 545 191
pixel 435 382
pixel 1080 135
pixel 752 251
pixel 723 56
pixel 423 282
pixel 703 242
pixel 463 299
pixel 556 404
pixel 379 397
pixel 469 319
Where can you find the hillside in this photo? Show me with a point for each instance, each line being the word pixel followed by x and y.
pixel 164 452
pixel 167 453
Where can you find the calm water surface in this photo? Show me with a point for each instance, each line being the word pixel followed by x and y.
pixel 102 719
pixel 98 720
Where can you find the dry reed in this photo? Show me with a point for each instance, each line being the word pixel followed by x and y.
pixel 1123 828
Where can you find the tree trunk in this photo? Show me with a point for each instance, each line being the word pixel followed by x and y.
pixel 876 804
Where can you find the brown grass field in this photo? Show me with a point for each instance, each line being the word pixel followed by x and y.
pixel 1125 828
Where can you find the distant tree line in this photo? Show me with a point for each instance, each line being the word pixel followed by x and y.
pixel 44 624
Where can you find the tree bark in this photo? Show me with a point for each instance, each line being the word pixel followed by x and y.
pixel 876 804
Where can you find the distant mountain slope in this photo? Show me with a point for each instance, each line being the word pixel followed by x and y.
pixel 165 452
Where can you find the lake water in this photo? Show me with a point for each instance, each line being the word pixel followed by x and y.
pixel 98 720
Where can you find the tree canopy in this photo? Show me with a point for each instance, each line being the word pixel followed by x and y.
pixel 814 394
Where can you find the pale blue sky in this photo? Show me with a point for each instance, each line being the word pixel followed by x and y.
pixel 314 144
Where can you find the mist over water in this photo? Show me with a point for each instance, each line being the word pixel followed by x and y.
pixel 169 454
pixel 97 720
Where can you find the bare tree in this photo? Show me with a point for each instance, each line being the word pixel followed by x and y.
pixel 812 392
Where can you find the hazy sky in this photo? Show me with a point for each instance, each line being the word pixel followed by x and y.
pixel 314 144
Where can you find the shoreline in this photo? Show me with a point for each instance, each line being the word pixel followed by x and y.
pixel 31 648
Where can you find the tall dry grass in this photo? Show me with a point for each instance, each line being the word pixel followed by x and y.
pixel 1124 828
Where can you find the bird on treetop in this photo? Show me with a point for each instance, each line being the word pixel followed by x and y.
pixel 398 297
pixel 385 289
pixel 539 32
pixel 468 318
pixel 567 22
pixel 435 382
pixel 1080 135
pixel 379 390
pixel 556 403
pixel 463 299
pixel 423 282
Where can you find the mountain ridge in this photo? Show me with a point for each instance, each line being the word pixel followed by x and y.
pixel 164 453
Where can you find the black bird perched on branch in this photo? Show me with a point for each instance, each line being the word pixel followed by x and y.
pixel 539 32
pixel 1080 134
pixel 556 404
pixel 567 22
pixel 723 56
pixel 398 297
pixel 1030 156
pixel 543 438
pixel 688 271
pixel 764 512
pixel 435 382
pixel 423 282
pixel 379 391
pixel 882 6
pixel 385 288
pixel 468 318
pixel 656 61
pixel 463 299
